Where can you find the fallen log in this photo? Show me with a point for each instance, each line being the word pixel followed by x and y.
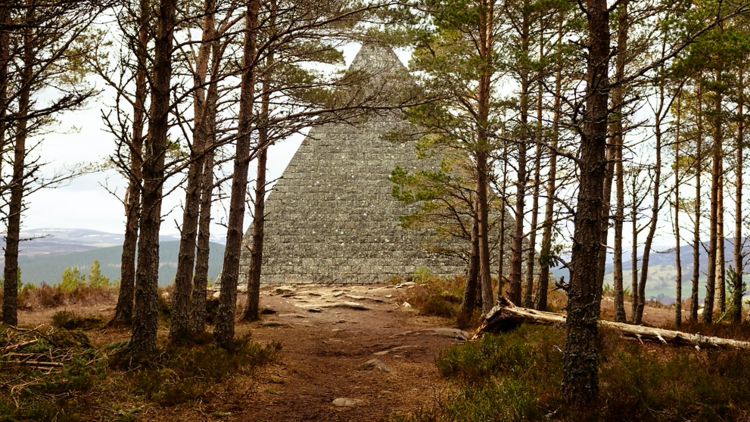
pixel 505 316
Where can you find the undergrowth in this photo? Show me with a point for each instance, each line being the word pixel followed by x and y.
pixel 517 376
pixel 44 296
pixel 74 376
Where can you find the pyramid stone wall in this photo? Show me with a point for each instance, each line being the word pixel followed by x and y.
pixel 331 217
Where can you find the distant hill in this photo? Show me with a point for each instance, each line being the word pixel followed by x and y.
pixel 49 267
pixel 662 271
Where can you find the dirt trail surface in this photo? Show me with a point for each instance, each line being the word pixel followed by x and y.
pixel 329 336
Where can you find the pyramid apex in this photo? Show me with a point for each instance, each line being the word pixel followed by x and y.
pixel 376 56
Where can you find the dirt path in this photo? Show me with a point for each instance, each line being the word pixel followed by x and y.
pixel 327 334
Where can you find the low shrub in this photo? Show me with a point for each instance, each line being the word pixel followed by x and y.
pixel 72 321
pixel 433 295
pixel 180 374
pixel 517 376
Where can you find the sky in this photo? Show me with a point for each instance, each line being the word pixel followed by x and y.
pixel 85 202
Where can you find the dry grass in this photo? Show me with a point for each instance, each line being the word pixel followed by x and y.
pixel 517 375
pixel 33 297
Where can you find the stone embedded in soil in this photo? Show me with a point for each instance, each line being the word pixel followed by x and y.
pixel 374 365
pixel 267 311
pixel 316 310
pixel 293 316
pixel 273 324
pixel 346 402
pixel 452 333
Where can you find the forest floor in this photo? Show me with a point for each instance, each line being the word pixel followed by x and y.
pixel 327 334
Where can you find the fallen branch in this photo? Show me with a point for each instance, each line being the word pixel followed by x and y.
pixel 505 316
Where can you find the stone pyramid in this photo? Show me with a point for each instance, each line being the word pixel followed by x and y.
pixel 331 217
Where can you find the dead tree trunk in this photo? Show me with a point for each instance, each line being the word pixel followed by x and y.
pixel 146 315
pixel 224 330
pixel 505 316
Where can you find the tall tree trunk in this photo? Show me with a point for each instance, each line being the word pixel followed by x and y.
pixel 516 258
pixel 200 282
pixel 470 291
pixel 482 156
pixel 677 258
pixel 501 236
pixel 252 306
pixel 540 299
pixel 623 27
pixel 713 244
pixel 738 264
pixel 580 358
pixel 18 182
pixel 531 257
pixel 147 274
pixel 5 22
pixel 721 291
pixel 695 281
pixel 634 260
pixel 124 307
pixel 180 318
pixel 654 210
pixel 224 330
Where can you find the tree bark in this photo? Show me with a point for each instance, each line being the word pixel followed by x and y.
pixel 200 282
pixel 695 281
pixel 721 291
pixel 5 22
pixel 708 308
pixel 654 211
pixel 252 306
pixel 143 338
pixel 677 258
pixel 540 299
pixel 531 257
pixel 224 330
pixel 180 324
pixel 634 258
pixel 580 358
pixel 514 288
pixel 738 264
pixel 125 297
pixel 623 27
pixel 470 291
pixel 18 185
pixel 501 237
pixel 484 98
